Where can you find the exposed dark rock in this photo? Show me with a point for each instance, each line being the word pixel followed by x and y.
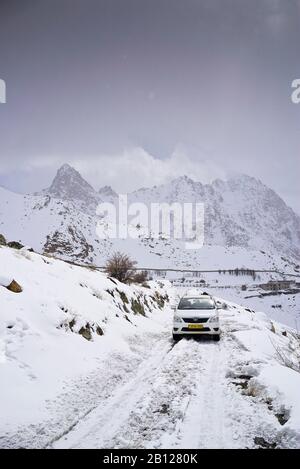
pixel 86 332
pixel 282 418
pixel 14 287
pixel 2 240
pixel 123 297
pixel 71 243
pixel 160 299
pixel 164 409
pixel 262 443
pixel 137 307
pixel 111 292
pixel 15 245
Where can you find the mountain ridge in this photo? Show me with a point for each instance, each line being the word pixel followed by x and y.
pixel 241 212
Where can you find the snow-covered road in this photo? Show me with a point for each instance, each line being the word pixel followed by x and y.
pixel 187 395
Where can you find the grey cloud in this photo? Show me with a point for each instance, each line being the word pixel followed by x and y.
pixel 90 78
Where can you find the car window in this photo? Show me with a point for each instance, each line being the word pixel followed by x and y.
pixel 196 303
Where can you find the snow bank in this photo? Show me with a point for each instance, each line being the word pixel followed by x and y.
pixel 64 325
pixel 273 362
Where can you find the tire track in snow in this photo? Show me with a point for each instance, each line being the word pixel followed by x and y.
pixel 219 415
pixel 104 420
pixel 203 425
pixel 180 397
pixel 162 406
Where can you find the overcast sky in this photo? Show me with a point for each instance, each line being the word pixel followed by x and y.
pixel 134 92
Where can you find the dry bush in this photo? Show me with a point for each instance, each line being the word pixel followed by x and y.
pixel 141 277
pixel 120 266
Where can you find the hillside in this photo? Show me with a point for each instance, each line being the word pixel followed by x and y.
pixel 64 328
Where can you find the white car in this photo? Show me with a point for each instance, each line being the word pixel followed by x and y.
pixel 196 315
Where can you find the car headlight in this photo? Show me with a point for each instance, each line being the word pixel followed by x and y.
pixel 177 318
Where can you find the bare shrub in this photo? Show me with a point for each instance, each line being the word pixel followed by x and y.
pixel 141 277
pixel 120 266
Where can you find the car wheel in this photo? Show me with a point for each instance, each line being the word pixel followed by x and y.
pixel 216 338
pixel 176 337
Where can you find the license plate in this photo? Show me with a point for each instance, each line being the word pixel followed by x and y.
pixel 195 326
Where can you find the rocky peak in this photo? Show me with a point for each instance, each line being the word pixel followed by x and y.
pixel 107 192
pixel 68 184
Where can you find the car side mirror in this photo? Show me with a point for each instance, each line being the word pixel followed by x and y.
pixel 174 307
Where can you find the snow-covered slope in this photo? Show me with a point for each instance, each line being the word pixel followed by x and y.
pixel 65 327
pixel 246 222
pixel 88 362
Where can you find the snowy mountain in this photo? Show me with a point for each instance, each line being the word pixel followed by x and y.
pixel 245 222
pixel 68 184
pixel 239 212
pixel 108 194
pixel 87 362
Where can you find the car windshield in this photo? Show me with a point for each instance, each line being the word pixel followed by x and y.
pixel 196 303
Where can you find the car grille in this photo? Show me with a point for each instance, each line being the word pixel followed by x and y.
pixel 204 329
pixel 195 320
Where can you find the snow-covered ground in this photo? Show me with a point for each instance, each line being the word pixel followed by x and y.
pixel 281 307
pixel 132 387
pixel 198 394
pixel 49 371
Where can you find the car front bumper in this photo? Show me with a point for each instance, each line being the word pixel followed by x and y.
pixel 207 328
